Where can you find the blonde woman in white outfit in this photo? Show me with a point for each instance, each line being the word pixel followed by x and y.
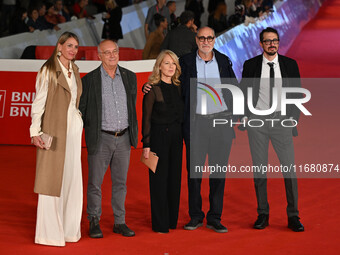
pixel 58 178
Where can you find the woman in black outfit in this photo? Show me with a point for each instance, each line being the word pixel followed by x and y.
pixel 112 29
pixel 162 120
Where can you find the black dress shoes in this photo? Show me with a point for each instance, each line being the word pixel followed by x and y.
pixel 217 227
pixel 262 221
pixel 123 229
pixel 295 224
pixel 193 224
pixel 95 231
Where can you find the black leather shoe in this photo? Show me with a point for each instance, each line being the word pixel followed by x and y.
pixel 217 227
pixel 95 231
pixel 193 224
pixel 123 229
pixel 295 224
pixel 262 221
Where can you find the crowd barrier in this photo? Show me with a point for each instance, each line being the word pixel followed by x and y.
pixel 89 53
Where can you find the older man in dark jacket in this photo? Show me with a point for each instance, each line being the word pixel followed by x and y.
pixel 108 106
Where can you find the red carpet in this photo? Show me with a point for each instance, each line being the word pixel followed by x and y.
pixel 317 51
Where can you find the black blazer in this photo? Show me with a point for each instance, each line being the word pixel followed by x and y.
pixel 189 70
pixel 90 106
pixel 251 75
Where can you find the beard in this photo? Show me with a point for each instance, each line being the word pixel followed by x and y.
pixel 271 53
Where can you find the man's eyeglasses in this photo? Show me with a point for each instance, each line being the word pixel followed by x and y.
pixel 109 53
pixel 203 38
pixel 269 42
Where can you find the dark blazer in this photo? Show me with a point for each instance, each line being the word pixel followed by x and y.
pixel 252 68
pixel 189 70
pixel 91 106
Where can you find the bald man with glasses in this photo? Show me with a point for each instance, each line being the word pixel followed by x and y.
pixel 201 71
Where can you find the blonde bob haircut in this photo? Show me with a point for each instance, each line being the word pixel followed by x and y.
pixel 155 76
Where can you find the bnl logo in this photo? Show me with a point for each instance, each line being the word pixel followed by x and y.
pixel 2 102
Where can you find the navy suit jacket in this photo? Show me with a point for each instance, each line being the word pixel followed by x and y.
pixel 189 71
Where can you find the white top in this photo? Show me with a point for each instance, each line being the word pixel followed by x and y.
pixel 38 105
pixel 41 86
pixel 70 81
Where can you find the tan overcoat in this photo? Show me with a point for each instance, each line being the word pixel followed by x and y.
pixel 50 163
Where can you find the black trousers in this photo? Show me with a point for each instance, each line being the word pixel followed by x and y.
pixel 165 185
pixel 216 143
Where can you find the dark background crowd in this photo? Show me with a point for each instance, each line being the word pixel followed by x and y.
pixel 18 16
pixel 162 26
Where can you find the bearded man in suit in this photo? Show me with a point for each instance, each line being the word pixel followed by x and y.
pixel 263 73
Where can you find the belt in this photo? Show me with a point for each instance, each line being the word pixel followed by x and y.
pixel 119 133
pixel 224 114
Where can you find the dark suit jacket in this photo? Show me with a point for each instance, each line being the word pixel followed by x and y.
pixel 251 75
pixel 189 70
pixel 91 106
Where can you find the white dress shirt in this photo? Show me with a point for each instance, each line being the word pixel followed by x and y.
pixel 264 93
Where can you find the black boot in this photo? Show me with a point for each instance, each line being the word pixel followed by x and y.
pixel 95 231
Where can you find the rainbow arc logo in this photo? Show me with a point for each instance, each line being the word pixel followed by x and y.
pixel 209 93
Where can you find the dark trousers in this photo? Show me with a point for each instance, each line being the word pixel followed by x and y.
pixel 165 185
pixel 282 141
pixel 216 143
